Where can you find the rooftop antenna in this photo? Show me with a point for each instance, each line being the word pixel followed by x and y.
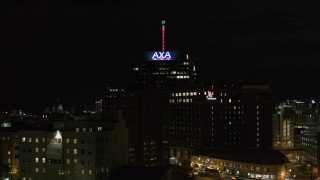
pixel 163 24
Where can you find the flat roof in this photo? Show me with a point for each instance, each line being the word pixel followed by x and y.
pixel 257 156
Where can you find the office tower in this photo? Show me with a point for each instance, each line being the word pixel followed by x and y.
pixel 155 72
pixel 296 126
pixel 170 113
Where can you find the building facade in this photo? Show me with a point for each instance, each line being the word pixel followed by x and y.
pixel 225 115
pixel 296 126
pixel 266 164
pixel 86 146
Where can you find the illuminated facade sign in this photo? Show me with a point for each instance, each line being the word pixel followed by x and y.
pixel 161 55
pixel 210 96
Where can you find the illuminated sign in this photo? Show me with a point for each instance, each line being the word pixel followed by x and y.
pixel 210 95
pixel 161 55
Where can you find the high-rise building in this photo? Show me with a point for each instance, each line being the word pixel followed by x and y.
pixel 154 72
pixel 169 112
pixel 145 101
pixel 296 127
pixel 227 115
pixel 168 120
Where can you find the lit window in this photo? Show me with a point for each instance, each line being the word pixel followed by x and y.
pixel 36 160
pixel 43 150
pixel 37 170
pixel 68 161
pixel 75 151
pixel 257 168
pixel 82 171
pixel 23 139
pixel 77 129
pixel 67 141
pixel 36 140
pixel 9 152
pixel 43 170
pixel 84 129
pixel 29 139
pixel 90 172
pixel 43 140
pixel 43 160
pixel 75 161
pixel 266 169
pixel 75 141
pixel 36 150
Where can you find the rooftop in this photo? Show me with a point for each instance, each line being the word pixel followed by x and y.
pixel 265 156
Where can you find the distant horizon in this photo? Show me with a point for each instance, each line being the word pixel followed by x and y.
pixel 76 102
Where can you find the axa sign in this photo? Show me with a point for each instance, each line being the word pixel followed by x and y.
pixel 161 55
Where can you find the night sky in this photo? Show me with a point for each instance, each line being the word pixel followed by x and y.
pixel 72 50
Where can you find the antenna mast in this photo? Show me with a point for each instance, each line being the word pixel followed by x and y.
pixel 163 23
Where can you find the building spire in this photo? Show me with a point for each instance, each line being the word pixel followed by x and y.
pixel 163 24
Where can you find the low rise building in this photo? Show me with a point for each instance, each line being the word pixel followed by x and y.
pixel 245 163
